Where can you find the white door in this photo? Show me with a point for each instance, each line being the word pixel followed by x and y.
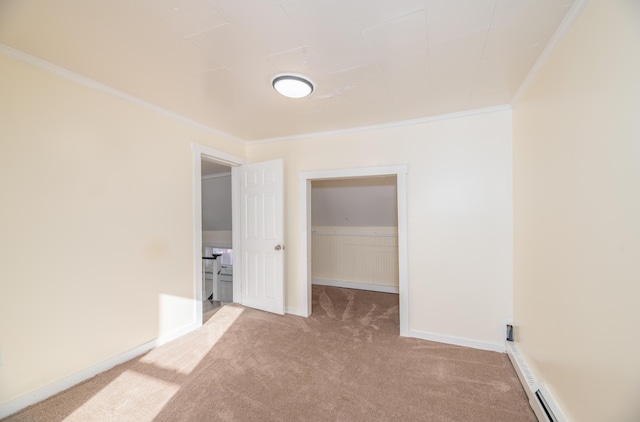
pixel 262 236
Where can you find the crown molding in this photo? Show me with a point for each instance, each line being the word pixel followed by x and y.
pixel 575 11
pixel 67 74
pixel 90 83
pixel 421 120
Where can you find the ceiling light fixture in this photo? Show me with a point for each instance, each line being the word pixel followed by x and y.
pixel 292 86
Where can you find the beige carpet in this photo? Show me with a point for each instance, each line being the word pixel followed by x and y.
pixel 344 363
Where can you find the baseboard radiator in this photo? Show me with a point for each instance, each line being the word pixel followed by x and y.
pixel 540 399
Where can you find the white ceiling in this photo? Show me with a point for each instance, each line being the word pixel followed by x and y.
pixel 372 61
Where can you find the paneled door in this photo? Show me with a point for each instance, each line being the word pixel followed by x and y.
pixel 262 250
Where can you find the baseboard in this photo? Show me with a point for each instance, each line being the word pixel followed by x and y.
pixel 351 285
pixel 17 404
pixel 297 312
pixel 457 341
pixel 541 401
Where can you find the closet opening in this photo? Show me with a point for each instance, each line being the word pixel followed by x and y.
pixel 355 232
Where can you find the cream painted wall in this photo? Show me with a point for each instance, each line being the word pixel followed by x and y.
pixel 96 226
pixel 459 215
pixel 577 217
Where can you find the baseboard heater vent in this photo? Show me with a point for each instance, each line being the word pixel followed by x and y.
pixel 540 399
pixel 545 406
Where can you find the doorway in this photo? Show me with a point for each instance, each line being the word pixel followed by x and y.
pixel 217 243
pixel 213 161
pixel 257 192
pixel 400 172
pixel 355 233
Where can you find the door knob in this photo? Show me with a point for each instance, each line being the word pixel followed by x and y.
pixel 278 247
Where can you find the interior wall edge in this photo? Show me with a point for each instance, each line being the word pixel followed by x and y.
pixel 577 8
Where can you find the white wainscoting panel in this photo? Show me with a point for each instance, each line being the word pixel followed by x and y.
pixel 356 255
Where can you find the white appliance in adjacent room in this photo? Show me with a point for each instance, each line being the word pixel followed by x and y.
pixel 218 273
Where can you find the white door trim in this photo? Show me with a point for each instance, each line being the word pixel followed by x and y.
pixel 403 262
pixel 200 152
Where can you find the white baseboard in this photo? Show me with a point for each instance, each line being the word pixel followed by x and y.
pixel 352 285
pixel 296 312
pixel 457 341
pixel 17 404
pixel 534 389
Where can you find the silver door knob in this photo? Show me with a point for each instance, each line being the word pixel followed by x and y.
pixel 278 247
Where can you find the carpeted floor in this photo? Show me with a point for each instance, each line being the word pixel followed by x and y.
pixel 344 363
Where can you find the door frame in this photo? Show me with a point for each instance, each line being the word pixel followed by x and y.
pixel 400 172
pixel 198 153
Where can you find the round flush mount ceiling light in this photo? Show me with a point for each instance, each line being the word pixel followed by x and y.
pixel 292 86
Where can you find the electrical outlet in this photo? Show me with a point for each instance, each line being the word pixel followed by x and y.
pixel 509 332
